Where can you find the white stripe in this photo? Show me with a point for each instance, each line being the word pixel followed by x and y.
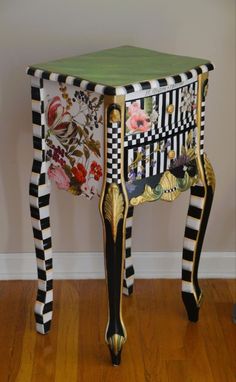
pixel 70 80
pixel 187 287
pixel 35 82
pixel 189 244
pixel 187 265
pixel 197 201
pixel 193 223
pixel 54 77
pixel 84 84
pixel 99 89
pixel 120 90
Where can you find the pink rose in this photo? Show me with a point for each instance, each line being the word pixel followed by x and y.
pixel 60 121
pixel 138 122
pixel 134 108
pixel 59 176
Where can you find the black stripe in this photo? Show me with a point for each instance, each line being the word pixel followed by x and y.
pixel 163 111
pixel 109 90
pixel 62 78
pixel 46 75
pixel 37 143
pixel 198 70
pixel 198 191
pixel 91 86
pixel 177 78
pixel 129 88
pixel 188 75
pixel 130 212
pixel 187 255
pixel 31 71
pixel 195 212
pixel 128 232
pixel 128 252
pixel 186 275
pixel 36 118
pixel 35 93
pixel 129 271
pixel 145 85
pixel 190 233
pixel 77 81
pixel 162 82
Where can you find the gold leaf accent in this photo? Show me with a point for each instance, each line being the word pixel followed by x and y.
pixel 114 207
pixel 210 175
pixel 116 342
pixel 148 195
pixel 114 116
pixel 168 183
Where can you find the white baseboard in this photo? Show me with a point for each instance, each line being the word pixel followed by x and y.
pixel 22 266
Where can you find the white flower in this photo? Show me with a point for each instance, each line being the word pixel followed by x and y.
pixel 154 116
pixel 188 100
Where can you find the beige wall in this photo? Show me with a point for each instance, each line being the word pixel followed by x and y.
pixel 35 31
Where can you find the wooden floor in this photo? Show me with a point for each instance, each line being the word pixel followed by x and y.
pixel 162 345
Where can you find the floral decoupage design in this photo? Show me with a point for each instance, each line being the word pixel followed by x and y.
pixel 74 120
pixel 140 119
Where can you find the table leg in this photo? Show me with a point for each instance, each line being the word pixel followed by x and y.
pixel 198 213
pixel 128 281
pixel 39 206
pixel 114 213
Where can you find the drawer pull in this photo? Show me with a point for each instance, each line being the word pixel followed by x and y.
pixel 170 108
pixel 171 154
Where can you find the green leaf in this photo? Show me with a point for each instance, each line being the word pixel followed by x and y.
pixel 78 153
pixel 80 131
pixel 71 149
pixel 67 170
pixel 86 152
pixel 86 130
pixel 94 146
pixel 72 161
pixel 148 105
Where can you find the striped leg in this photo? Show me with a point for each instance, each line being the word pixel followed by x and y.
pixel 198 213
pixel 128 281
pixel 39 206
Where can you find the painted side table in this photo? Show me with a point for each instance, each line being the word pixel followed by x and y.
pixel 127 125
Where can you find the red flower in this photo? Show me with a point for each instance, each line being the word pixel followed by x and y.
pixel 96 170
pixel 79 173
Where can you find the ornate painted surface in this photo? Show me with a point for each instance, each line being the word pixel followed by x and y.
pixel 74 138
pixel 181 174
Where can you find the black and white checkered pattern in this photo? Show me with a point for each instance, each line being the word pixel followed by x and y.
pixel 39 205
pixel 202 128
pixel 113 152
pixel 129 268
pixel 120 90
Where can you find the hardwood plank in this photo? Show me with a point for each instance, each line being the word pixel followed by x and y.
pixel 162 344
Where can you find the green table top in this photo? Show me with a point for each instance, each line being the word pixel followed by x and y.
pixel 122 66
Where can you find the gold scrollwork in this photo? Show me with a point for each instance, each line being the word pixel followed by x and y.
pixel 210 175
pixel 148 195
pixel 114 207
pixel 116 342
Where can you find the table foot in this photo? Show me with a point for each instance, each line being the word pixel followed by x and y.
pixel 115 344
pixel 191 307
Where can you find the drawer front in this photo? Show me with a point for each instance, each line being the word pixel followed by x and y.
pixel 148 116
pixel 167 141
